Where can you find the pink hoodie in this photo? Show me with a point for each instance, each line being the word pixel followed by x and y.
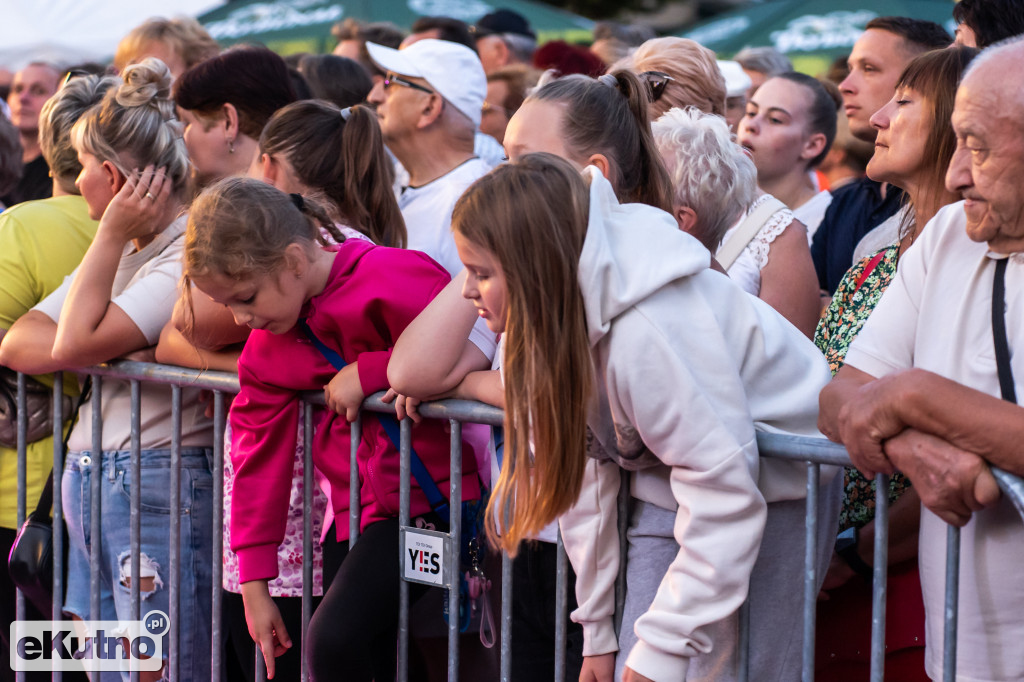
pixel 372 294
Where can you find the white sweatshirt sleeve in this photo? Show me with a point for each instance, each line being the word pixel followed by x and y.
pixel 591 539
pixel 687 405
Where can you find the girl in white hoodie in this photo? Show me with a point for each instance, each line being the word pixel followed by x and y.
pixel 624 351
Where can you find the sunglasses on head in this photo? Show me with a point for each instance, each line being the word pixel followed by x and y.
pixel 656 82
pixel 392 79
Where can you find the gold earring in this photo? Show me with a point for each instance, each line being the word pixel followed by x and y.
pixel 231 146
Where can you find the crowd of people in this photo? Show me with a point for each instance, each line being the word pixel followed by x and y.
pixel 643 254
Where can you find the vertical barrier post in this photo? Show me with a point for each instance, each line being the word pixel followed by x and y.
pixel 454 565
pixel 952 603
pixel 354 506
pixel 561 607
pixel 506 618
pixel 136 507
pixel 58 504
pixel 216 634
pixel 404 472
pixel 96 541
pixel 174 591
pixel 22 464
pixel 307 528
pixel 743 674
pixel 879 588
pixel 810 569
pixel 623 525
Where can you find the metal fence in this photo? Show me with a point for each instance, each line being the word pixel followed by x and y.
pixel 815 452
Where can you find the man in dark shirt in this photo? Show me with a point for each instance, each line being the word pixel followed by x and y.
pixel 876 63
pixel 31 87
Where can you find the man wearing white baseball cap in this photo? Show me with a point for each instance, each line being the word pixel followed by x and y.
pixel 429 108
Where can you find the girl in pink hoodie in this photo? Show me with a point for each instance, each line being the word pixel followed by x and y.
pixel 255 249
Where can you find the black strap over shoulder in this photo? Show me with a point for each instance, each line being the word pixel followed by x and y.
pixel 999 332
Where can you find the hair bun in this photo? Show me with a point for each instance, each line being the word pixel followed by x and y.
pixel 147 82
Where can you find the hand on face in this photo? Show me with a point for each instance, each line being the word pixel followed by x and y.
pixel 139 209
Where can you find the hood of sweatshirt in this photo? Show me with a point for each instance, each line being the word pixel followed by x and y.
pixel 630 251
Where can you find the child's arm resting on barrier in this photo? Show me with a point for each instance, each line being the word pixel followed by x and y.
pixel 435 353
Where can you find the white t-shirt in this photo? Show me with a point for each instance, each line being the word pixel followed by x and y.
pixel 746 269
pixel 145 288
pixel 428 212
pixel 812 211
pixel 936 315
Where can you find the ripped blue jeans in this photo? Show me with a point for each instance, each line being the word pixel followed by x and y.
pixel 193 610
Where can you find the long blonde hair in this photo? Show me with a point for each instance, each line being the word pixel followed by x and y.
pixel 532 215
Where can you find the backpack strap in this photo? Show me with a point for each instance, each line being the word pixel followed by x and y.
pixel 435 498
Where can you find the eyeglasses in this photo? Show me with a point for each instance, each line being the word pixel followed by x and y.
pixel 656 82
pixel 392 79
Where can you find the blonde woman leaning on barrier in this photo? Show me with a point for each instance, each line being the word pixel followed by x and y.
pixel 686 364
pixel 117 302
pixel 41 242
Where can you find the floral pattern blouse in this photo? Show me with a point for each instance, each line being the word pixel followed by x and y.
pixel 857 295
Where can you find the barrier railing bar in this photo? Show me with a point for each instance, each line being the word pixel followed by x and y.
pixel 95 505
pixel 307 527
pixel 952 603
pixel 622 520
pixel 879 589
pixel 815 451
pixel 354 505
pixel 21 407
pixel 743 674
pixel 455 531
pixel 217 576
pixel 810 568
pixel 261 666
pixel 561 607
pixel 174 593
pixel 505 660
pixel 136 508
pixel 58 505
pixel 404 490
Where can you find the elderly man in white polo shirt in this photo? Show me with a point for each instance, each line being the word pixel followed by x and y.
pixel 429 108
pixel 930 387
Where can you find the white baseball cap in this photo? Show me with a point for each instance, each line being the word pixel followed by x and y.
pixel 736 79
pixel 452 70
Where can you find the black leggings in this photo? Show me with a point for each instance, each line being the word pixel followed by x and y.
pixel 354 631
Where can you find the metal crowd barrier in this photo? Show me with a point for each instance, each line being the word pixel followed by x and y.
pixel 814 452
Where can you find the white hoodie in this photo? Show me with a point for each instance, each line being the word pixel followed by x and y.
pixel 686 364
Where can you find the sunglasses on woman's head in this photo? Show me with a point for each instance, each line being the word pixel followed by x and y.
pixel 656 82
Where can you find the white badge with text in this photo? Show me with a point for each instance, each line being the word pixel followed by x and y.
pixel 423 556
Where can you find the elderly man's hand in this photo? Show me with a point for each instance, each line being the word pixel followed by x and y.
pixel 867 420
pixel 952 483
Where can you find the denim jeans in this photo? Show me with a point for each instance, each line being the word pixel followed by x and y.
pixel 193 611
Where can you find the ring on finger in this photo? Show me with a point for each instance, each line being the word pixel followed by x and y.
pixel 149 195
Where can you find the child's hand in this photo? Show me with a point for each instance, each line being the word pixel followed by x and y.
pixel 264 620
pixel 344 394
pixel 405 406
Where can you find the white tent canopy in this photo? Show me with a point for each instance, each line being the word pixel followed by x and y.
pixel 74 31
